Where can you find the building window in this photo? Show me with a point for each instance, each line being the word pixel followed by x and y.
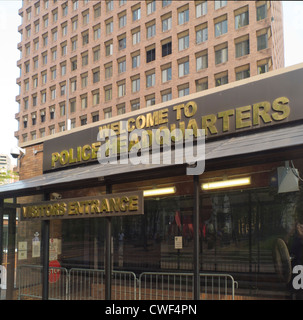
pixel 242 74
pixel 108 49
pixel 121 66
pixel 96 98
pixel 97 11
pixel 97 32
pixel 62 110
pixel 75 4
pixel 135 85
pixel 166 3
pixel 84 79
pixel 25 122
pixel 122 21
pixel 61 127
pixel 73 85
pixel 150 55
pixel 108 113
pixel 261 12
pixel 166 49
pixel 201 9
pixel 85 38
pixel 122 42
pixel 42 116
pixel 63 69
pixel 44 77
pixel 183 90
pixel 136 61
pixel 52 113
pixel 183 68
pixel 109 27
pixel 135 105
pixel 95 117
pixel 183 16
pixel 262 41
pixel 220 28
pixel 221 79
pixel 83 102
pixel 121 109
pixel 241 20
pixel 121 89
pixel 201 84
pixel 63 89
pixel 166 74
pixel 166 24
pixel 166 95
pixel 202 34
pixel 264 66
pixel 34 119
pixel 83 121
pixel 96 52
pixel 151 31
pixel 220 4
pixel 136 37
pixel 109 5
pixel 108 93
pixel 96 76
pixel 72 106
pixel 73 64
pixel 151 7
pixel 202 61
pixel 53 93
pixel 150 100
pixel 242 48
pixel 183 42
pixel 85 18
pixel 221 55
pixel 150 79
pixel 136 14
pixel 84 59
pixel 74 43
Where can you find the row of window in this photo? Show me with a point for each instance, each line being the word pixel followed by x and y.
pixel 109 6
pixel 166 95
pixel 242 48
pixel 220 27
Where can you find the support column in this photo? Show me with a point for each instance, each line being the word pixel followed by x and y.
pixel 196 239
pixel 45 258
pixel 108 254
pixel 11 254
pixel 45 227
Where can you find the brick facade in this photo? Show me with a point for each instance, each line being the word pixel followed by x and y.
pixel 55 27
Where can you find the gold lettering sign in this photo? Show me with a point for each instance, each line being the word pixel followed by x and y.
pixel 182 116
pixel 109 205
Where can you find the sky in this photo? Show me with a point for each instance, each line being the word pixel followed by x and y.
pixel 9 54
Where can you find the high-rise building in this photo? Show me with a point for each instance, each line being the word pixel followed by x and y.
pixel 84 61
pixel 7 175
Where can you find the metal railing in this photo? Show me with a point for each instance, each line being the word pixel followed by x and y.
pixel 89 284
pixel 179 286
pixel 30 283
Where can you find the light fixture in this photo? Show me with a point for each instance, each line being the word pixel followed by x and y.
pixel 159 192
pixel 226 183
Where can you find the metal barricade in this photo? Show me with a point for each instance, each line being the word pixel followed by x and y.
pixel 30 283
pixel 179 286
pixel 89 284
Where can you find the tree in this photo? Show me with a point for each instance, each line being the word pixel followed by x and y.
pixel 7 176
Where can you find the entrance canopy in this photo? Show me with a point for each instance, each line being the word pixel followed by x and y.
pixel 252 144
